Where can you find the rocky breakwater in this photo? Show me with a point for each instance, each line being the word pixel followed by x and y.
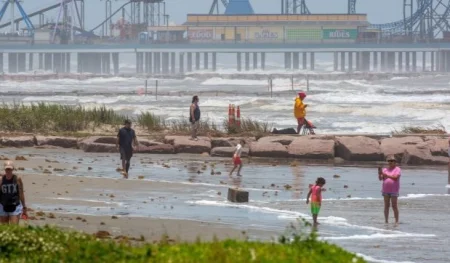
pixel 407 149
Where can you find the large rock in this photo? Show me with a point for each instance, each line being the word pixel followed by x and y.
pixel 157 149
pixel 268 149
pixel 358 148
pixel 63 142
pixel 97 144
pixel 183 144
pixel 19 141
pixel 224 142
pixel 438 146
pixel 312 147
pixel 398 145
pixel 284 139
pixel 411 150
pixel 148 143
pixel 227 152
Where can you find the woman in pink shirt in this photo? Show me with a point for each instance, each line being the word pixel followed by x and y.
pixel 391 186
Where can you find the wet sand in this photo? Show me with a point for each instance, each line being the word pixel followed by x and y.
pixel 60 191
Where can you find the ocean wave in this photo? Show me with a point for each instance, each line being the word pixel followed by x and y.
pixel 374 260
pixel 379 236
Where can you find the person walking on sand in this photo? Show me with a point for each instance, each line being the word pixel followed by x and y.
pixel 125 139
pixel 12 198
pixel 300 110
pixel 315 192
pixel 194 117
pixel 237 158
pixel 391 186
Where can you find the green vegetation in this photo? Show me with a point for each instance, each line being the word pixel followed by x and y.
pixel 35 244
pixel 63 119
pixel 436 129
pixel 43 117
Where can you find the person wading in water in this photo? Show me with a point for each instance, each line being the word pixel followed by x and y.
pixel 11 196
pixel 125 139
pixel 194 117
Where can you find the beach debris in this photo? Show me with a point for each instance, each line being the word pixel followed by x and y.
pixel 40 213
pixel 51 215
pixel 237 196
pixel 336 176
pixel 294 164
pixel 118 169
pixel 74 168
pixel 222 182
pixel 287 186
pixel 21 158
pixel 20 168
pixel 89 168
pixel 78 218
pixel 218 173
pixel 140 177
pixel 272 185
pixel 102 223
pixel 219 193
pixel 204 167
pixel 84 220
pixel 111 195
pixel 46 171
pixel 345 186
pixel 114 217
pixel 349 196
pixel 58 194
pixel 58 169
pixel 4 158
pixel 165 165
pixel 413 184
pixel 102 234
pixel 199 172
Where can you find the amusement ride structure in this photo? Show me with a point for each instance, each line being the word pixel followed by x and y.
pixel 423 20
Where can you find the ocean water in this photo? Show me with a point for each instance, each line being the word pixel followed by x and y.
pixel 341 106
pixel 351 215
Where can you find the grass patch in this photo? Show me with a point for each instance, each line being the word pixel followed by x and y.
pixel 47 244
pixel 68 120
pixel 436 129
pixel 43 117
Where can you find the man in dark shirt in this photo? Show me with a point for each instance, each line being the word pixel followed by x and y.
pixel 125 139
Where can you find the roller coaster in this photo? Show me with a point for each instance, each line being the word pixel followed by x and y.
pixel 422 19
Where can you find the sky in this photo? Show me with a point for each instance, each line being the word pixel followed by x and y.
pixel 378 11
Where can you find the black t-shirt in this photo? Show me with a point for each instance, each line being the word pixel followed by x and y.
pixel 126 137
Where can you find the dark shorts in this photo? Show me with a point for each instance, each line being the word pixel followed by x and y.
pixel 390 194
pixel 126 153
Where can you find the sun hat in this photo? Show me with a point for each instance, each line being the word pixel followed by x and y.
pixel 391 158
pixel 9 165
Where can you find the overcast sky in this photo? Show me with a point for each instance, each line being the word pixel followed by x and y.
pixel 379 11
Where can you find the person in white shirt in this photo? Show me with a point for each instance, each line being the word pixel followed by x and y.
pixel 237 158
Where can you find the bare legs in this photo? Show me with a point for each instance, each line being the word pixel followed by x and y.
pixel 388 200
pixel 9 220
pixel 239 170
pixel 125 168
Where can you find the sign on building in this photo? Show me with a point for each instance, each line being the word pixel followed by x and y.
pixel 340 34
pixel 265 33
pixel 200 34
pixel 303 34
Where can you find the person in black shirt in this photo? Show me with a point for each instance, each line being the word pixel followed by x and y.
pixel 125 139
pixel 12 198
pixel 194 117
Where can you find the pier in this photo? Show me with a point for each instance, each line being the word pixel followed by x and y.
pixel 171 59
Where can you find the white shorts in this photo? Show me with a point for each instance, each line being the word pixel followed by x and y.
pixel 18 212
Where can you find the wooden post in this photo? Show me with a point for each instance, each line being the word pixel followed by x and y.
pixel 307 82
pixel 292 82
pixel 146 87
pixel 156 94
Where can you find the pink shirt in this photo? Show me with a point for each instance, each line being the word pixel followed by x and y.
pixel 391 186
pixel 315 195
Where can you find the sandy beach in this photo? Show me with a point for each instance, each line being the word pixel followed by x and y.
pixel 178 195
pixel 53 190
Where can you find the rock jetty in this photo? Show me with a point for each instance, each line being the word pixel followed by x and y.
pixel 407 149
